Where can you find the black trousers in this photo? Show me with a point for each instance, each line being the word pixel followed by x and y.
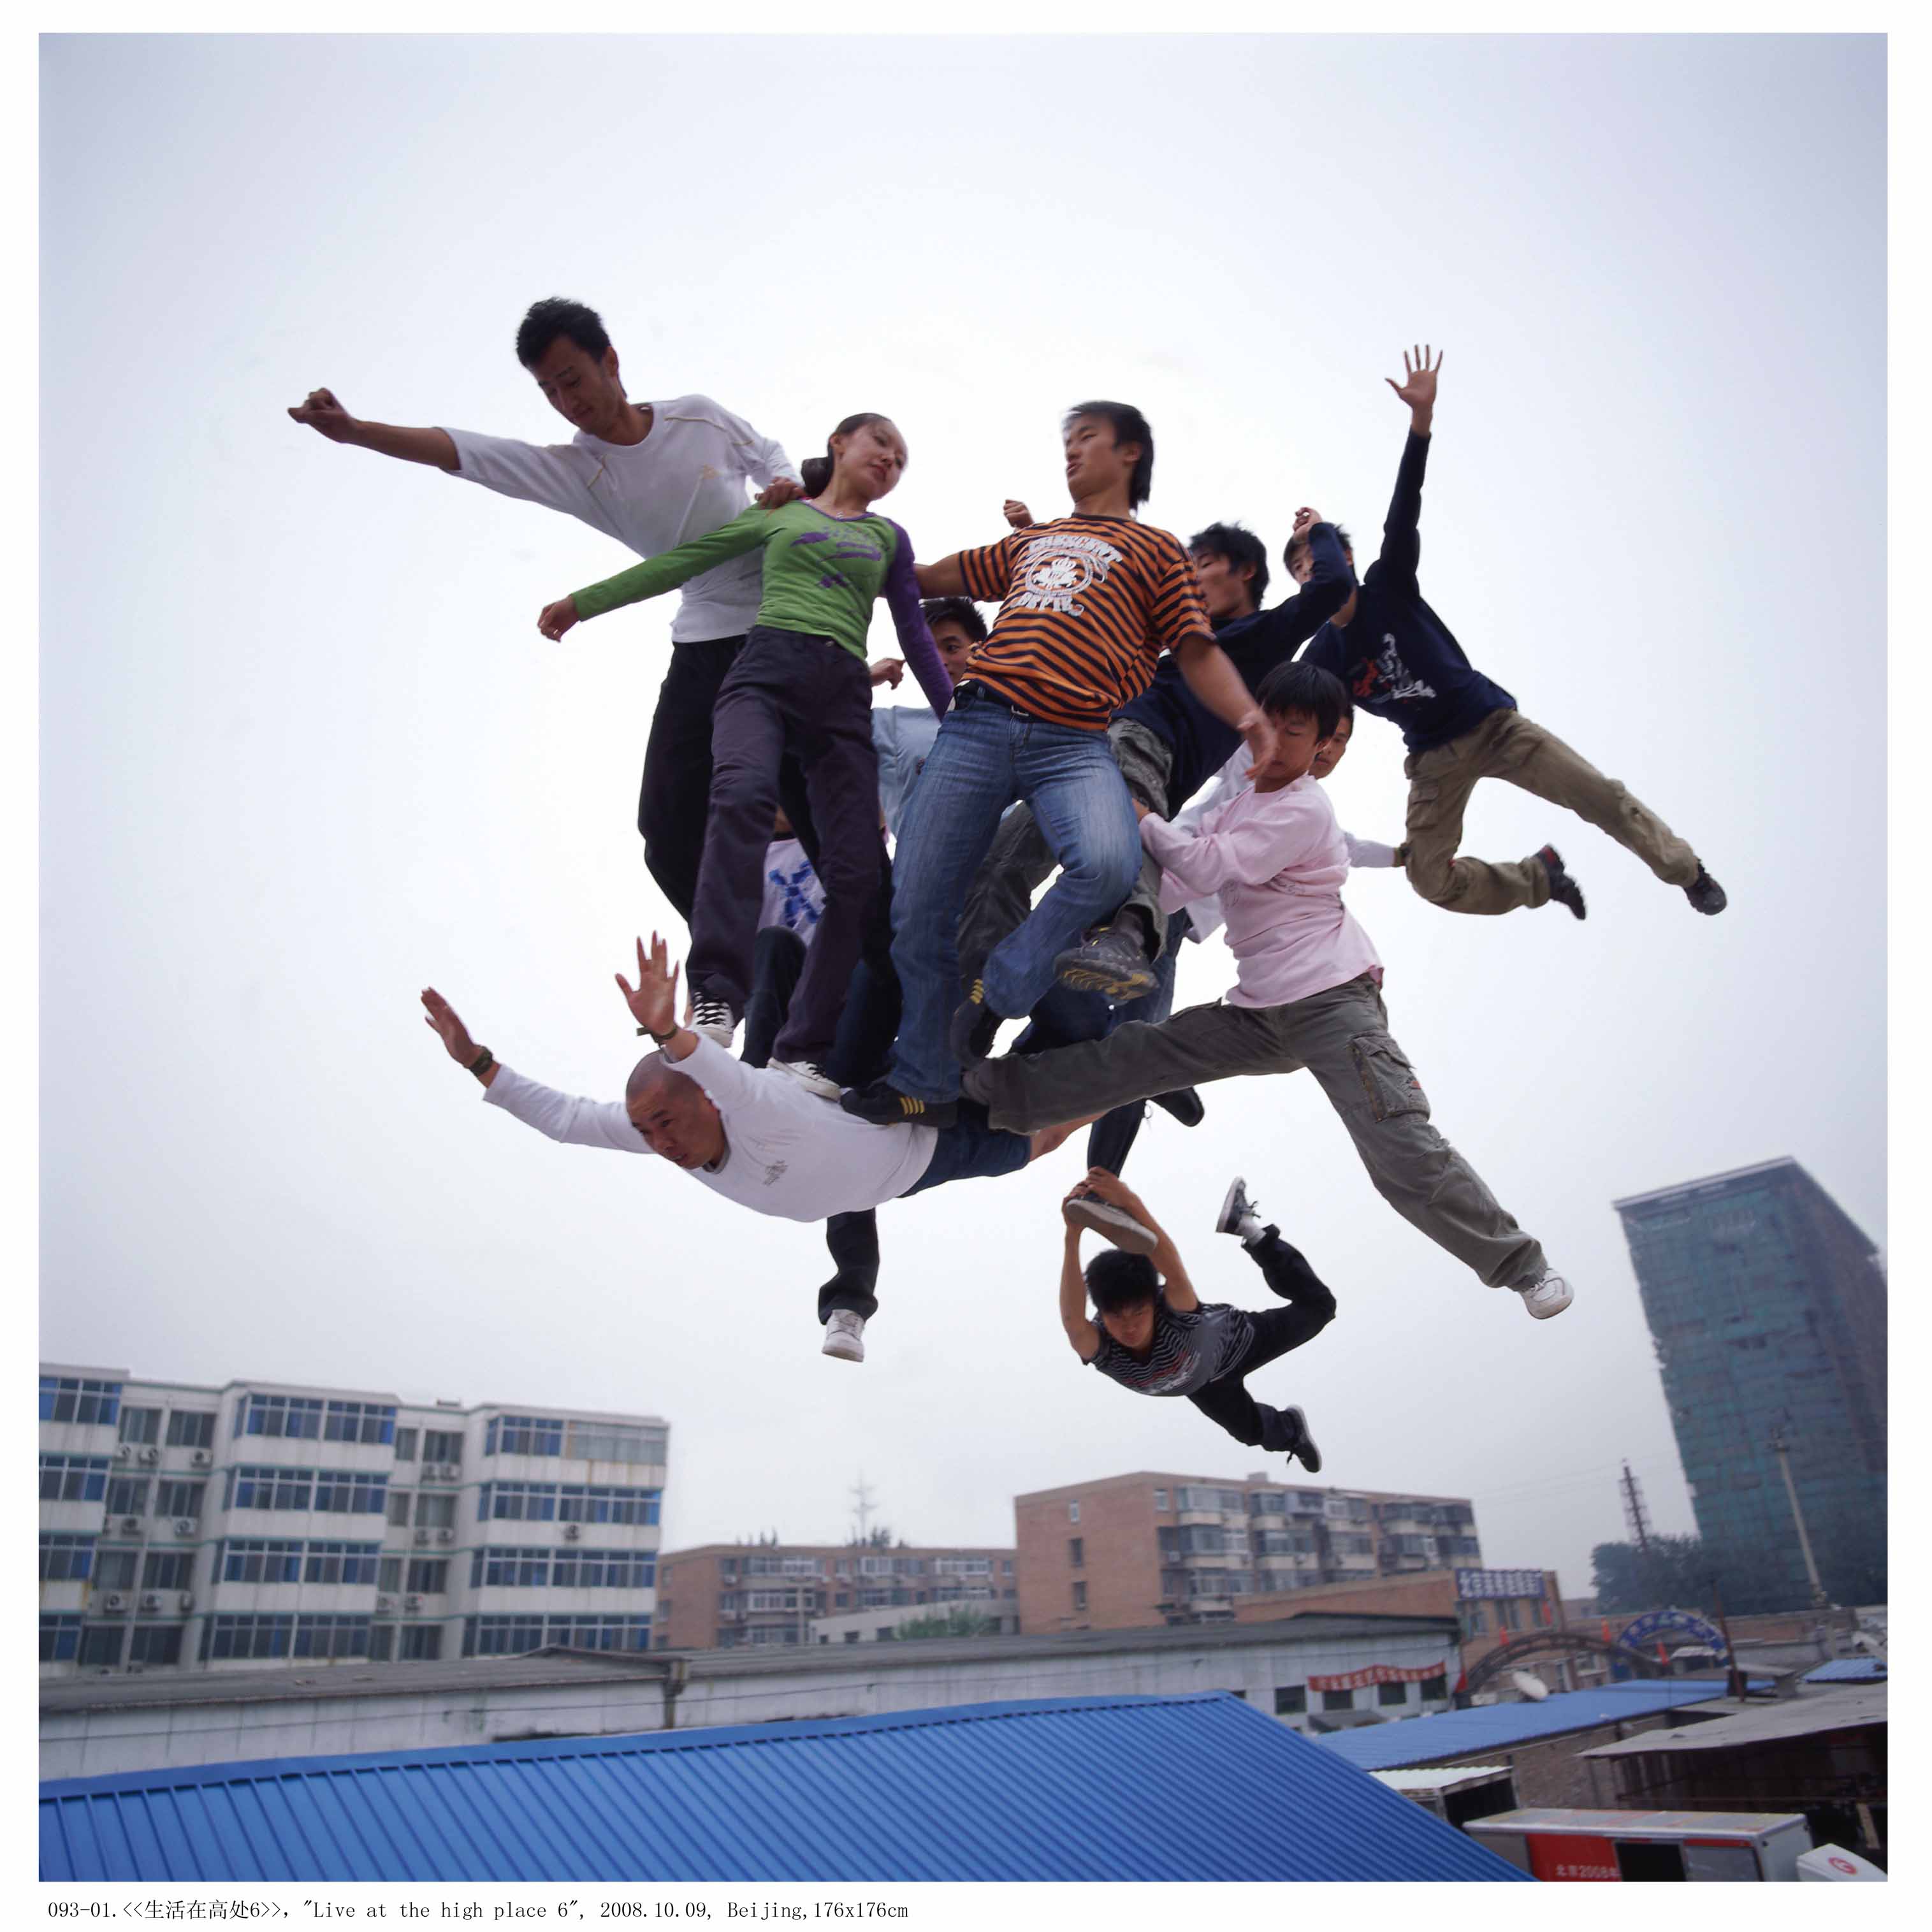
pixel 853 1239
pixel 1311 1307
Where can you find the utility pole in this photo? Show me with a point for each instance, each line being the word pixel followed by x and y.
pixel 862 1504
pixel 1635 1519
pixel 1818 1600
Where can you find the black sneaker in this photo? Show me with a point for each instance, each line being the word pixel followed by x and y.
pixel 1110 961
pixel 884 1105
pixel 1184 1104
pixel 1705 893
pixel 975 1025
pixel 1304 1450
pixel 1563 889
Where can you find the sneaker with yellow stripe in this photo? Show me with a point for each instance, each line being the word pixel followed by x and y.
pixel 885 1106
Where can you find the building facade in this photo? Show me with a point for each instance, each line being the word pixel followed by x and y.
pixel 729 1596
pixel 186 1527
pixel 1767 1305
pixel 1148 1548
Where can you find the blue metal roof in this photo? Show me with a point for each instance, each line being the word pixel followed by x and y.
pixel 1184 1788
pixel 1487 1727
pixel 1848 1670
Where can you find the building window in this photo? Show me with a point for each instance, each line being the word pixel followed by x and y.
pixel 1435 1689
pixel 605 1570
pixel 405 1445
pixel 515 1502
pixel 331 1636
pixel 351 1492
pixel 225 1637
pixel 140 1425
pixel 399 1507
pixel 127 1495
pixel 1338 1700
pixel 523 1435
pixel 294 1417
pixel 436 1510
pixel 509 1569
pixel 389 1574
pixel 65 1559
pixel 257 1559
pixel 341 1563
pixel 429 1576
pixel 251 1486
pixel 442 1445
pixel 180 1500
pixel 359 1422
pixel 422 1643
pixel 1006 1566
pixel 1508 1616
pixel 1291 1700
pixel 60 1631
pixel 191 1428
pixel 1073 1512
pixel 156 1643
pixel 101 1645
pixel 382 1643
pixel 168 1570
pixel 1080 1596
pixel 1392 1694
pixel 1076 1552
pixel 72 1479
pixel 115 1569
pixel 1475 1621
pixel 614 1442
pixel 1160 1499
pixel 75 1398
pixel 592 1502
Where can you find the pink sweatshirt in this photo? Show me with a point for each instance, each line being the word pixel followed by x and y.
pixel 1277 860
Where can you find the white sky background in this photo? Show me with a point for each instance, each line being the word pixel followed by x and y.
pixel 303 751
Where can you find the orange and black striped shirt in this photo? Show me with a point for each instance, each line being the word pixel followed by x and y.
pixel 1089 604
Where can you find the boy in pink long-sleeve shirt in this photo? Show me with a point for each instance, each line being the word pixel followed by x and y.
pixel 1307 994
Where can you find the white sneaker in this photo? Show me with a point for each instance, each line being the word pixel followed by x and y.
pixel 844 1336
pixel 810 1076
pixel 1115 1223
pixel 1239 1215
pixel 1548 1295
pixel 714 1020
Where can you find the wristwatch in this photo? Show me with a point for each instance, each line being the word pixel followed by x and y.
pixel 483 1061
pixel 660 1037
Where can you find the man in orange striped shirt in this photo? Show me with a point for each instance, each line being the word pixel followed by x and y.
pixel 1089 602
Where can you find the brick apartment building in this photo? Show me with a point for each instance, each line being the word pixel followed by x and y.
pixel 1150 1548
pixel 726 1596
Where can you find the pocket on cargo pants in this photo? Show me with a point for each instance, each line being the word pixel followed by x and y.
pixel 1388 1080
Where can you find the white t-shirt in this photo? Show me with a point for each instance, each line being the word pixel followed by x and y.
pixel 786 1151
pixel 685 479
pixel 793 897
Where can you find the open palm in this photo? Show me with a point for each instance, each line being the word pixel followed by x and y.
pixel 1417 388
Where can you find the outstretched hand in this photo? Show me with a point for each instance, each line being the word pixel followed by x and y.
pixel 653 1000
pixel 1017 514
pixel 1418 388
pixel 1305 520
pixel 886 670
pixel 323 413
pixel 556 618
pixel 443 1022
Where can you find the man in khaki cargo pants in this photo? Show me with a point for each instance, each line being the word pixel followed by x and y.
pixel 1400 662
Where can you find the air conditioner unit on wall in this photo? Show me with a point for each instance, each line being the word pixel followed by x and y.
pixel 412 1602
pixel 125 1453
pixel 386 1606
pixel 151 1455
pixel 445 1536
pixel 185 1525
pixel 200 1458
pixel 151 1601
pixel 452 1472
pixel 186 1600
pixel 422 1536
pixel 572 1531
pixel 131 1526
pixel 115 1602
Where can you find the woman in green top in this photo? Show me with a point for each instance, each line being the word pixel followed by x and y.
pixel 800 685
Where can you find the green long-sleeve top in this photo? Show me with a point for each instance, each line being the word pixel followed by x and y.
pixel 822 575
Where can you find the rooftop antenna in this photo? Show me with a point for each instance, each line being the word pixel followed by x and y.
pixel 862 1504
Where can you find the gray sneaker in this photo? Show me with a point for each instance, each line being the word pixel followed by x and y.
pixel 1240 1216
pixel 810 1076
pixel 1548 1295
pixel 844 1336
pixel 1115 1224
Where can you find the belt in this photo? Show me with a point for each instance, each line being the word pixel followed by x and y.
pixel 973 692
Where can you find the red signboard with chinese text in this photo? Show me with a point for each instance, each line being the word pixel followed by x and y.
pixel 1376 1673
pixel 1557 1856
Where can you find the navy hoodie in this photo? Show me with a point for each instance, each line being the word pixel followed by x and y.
pixel 1398 658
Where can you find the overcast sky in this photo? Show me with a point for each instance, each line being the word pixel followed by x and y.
pixel 303 751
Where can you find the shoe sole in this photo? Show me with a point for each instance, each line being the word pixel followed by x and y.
pixel 813 1083
pixel 1094 979
pixel 1545 1314
pixel 967 1019
pixel 718 1036
pixel 1189 1111
pixel 1227 1220
pixel 1305 1451
pixel 857 1355
pixel 934 1114
pixel 1113 1224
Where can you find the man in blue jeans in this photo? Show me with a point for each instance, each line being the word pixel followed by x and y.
pixel 1091 601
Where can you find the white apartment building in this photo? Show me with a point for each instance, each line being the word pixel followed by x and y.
pixel 227 1527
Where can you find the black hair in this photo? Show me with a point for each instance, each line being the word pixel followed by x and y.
pixel 556 316
pixel 1117 1281
pixel 815 471
pixel 1129 426
pixel 1306 688
pixel 960 611
pixel 1237 546
pixel 1295 544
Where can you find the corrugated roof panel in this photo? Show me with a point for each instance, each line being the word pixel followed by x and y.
pixel 1848 1670
pixel 1495 1726
pixel 1051 1790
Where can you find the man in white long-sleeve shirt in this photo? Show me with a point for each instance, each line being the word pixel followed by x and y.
pixel 652 475
pixel 1308 993
pixel 753 1135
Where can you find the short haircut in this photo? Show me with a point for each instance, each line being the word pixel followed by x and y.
pixel 1237 546
pixel 1129 426
pixel 1297 544
pixel 654 1069
pixel 1117 1281
pixel 960 611
pixel 556 316
pixel 1308 688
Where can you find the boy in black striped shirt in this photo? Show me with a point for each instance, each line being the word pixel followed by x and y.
pixel 1155 1336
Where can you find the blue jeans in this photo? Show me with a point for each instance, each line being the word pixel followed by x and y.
pixel 972 1150
pixel 984 758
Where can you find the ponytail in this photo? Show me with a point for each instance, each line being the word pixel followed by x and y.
pixel 815 471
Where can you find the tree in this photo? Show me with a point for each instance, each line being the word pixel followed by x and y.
pixel 1676 1574
pixel 956 1621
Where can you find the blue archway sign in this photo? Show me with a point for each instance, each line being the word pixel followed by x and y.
pixel 1637 1636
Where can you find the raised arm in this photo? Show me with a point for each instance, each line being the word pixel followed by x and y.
pixel 1081 1331
pixel 915 634
pixel 657 574
pixel 1401 535
pixel 1166 1257
pixel 943 579
pixel 1248 853
pixel 327 417
pixel 1211 675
